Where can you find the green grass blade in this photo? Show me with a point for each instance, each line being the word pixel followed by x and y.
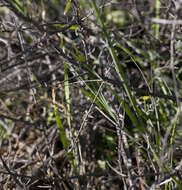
pixel 67 95
pixel 157 25
pixel 99 101
pixel 62 133
pixel 67 7
pixel 116 62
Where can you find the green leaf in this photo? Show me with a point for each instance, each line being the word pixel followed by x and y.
pixel 73 27
pixel 62 133
pixel 18 6
pixel 67 7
